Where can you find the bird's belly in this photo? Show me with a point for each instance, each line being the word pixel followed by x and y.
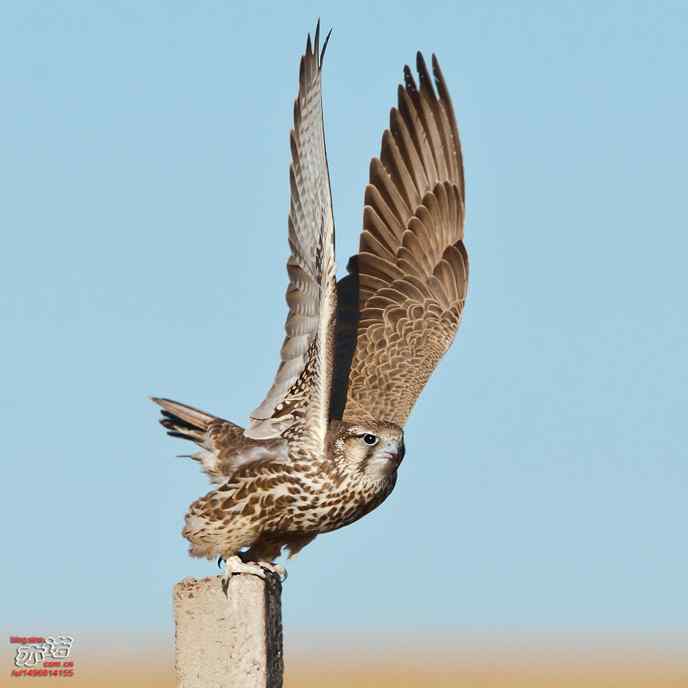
pixel 324 513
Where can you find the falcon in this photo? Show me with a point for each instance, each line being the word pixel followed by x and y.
pixel 323 448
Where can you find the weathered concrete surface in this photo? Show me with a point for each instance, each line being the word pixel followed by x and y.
pixel 229 641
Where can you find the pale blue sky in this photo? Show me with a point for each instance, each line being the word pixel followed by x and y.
pixel 143 166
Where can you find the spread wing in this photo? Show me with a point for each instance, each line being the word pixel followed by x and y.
pixel 401 305
pixel 297 405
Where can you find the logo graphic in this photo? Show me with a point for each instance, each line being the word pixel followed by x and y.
pixel 43 656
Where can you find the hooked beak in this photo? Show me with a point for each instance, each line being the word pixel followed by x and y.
pixel 394 453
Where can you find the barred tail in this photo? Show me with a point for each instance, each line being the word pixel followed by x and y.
pixel 184 421
pixel 217 438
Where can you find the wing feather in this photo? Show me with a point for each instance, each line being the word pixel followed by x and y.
pixel 297 404
pixel 410 276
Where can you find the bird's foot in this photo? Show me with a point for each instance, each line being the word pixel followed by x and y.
pixel 265 565
pixel 274 568
pixel 235 565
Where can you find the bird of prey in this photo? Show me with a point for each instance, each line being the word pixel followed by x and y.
pixel 323 448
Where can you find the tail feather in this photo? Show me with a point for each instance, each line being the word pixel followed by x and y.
pixel 217 438
pixel 184 421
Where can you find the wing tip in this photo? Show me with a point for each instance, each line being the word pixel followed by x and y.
pixel 313 49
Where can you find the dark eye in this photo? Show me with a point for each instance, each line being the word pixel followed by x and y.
pixel 370 439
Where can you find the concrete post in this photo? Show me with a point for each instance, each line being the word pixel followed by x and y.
pixel 232 640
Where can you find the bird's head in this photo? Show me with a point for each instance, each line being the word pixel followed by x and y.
pixel 374 449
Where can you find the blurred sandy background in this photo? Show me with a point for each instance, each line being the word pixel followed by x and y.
pixel 480 661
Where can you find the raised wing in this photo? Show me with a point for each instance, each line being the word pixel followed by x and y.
pixel 410 277
pixel 297 405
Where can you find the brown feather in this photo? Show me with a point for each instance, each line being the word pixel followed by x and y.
pixel 412 267
pixel 298 402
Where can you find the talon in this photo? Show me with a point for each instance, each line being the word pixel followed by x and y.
pixel 277 569
pixel 220 560
pixel 280 571
pixel 235 565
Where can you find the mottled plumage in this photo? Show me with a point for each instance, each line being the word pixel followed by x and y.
pixel 324 446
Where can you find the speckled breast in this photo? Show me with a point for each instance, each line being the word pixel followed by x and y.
pixel 320 506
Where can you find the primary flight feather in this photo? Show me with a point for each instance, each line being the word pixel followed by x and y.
pixel 323 448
